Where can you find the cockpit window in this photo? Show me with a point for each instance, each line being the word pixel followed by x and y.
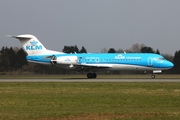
pixel 161 59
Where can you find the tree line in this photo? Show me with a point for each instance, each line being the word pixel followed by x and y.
pixel 13 60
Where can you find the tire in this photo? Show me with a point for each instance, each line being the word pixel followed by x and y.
pixel 153 76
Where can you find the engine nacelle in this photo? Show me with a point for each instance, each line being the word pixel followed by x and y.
pixel 67 60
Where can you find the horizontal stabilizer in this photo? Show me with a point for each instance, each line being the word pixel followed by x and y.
pixel 21 36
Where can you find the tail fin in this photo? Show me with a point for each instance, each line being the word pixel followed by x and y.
pixel 31 44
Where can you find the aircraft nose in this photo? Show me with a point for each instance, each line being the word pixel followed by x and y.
pixel 170 64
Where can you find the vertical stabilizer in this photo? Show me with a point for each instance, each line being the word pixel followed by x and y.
pixel 31 44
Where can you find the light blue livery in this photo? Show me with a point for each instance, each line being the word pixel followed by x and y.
pixel 93 62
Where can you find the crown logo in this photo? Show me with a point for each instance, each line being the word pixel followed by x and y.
pixel 33 43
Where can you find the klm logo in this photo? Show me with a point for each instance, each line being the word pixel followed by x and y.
pixel 119 57
pixel 34 46
pixel 67 60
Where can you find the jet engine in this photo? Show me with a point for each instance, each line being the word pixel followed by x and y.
pixel 64 60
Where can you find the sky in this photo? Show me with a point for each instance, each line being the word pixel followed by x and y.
pixel 94 24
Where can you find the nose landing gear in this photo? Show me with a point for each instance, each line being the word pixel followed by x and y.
pixel 153 76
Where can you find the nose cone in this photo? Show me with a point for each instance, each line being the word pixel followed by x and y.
pixel 169 64
pixel 166 64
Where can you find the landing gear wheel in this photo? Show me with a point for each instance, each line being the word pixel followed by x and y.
pixel 91 75
pixel 153 76
pixel 94 75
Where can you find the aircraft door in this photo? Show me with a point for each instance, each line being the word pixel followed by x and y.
pixel 150 62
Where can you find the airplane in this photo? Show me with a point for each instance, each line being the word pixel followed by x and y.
pixel 92 62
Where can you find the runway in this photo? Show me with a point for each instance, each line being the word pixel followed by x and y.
pixel 89 80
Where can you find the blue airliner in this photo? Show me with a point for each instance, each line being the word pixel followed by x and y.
pixel 92 62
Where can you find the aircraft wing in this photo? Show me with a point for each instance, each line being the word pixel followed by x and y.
pixel 90 67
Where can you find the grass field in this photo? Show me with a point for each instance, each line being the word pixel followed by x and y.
pixel 87 101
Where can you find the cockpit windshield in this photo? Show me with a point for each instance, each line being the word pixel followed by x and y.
pixel 161 59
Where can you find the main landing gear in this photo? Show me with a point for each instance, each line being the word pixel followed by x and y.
pixel 91 75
